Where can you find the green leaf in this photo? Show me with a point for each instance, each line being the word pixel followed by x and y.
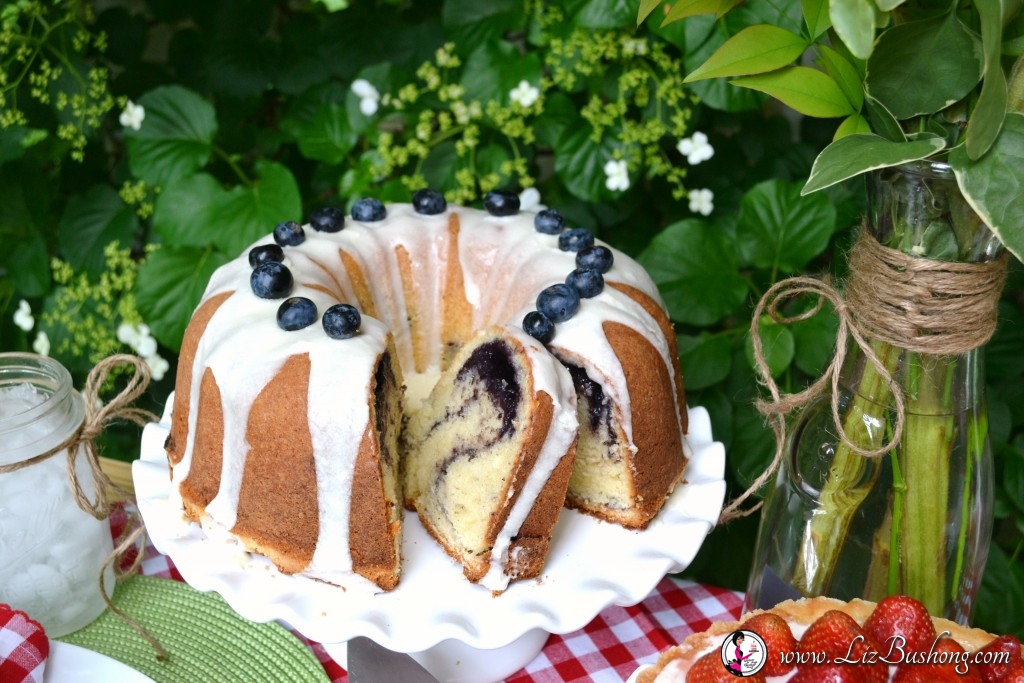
pixel 704 35
pixel 494 69
pixel 754 50
pixel 781 230
pixel 987 116
pixel 183 214
pixel 91 222
pixel 922 67
pixel 246 213
pixel 328 137
pixel 691 8
pixel 1000 604
pixel 473 23
pixel 856 154
pixel 816 17
pixel 882 121
pixel 994 184
pixel 844 74
pixel 777 344
pixel 705 359
pixel 603 14
pixel 31 277
pixel 170 284
pixel 646 7
pixel 851 125
pixel 694 264
pixel 579 162
pixel 815 341
pixel 176 137
pixel 854 22
pixel 808 91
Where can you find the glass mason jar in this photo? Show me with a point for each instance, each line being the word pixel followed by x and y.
pixel 918 519
pixel 51 551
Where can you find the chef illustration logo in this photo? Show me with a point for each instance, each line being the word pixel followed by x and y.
pixel 743 653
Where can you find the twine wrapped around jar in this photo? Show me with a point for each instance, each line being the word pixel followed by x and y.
pixel 98 416
pixel 913 303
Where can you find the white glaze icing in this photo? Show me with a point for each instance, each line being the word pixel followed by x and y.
pixel 505 263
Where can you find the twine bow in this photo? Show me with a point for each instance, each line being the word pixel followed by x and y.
pixel 913 303
pixel 98 415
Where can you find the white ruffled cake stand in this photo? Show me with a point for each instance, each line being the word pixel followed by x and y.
pixel 455 629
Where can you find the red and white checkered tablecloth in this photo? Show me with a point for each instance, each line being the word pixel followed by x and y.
pixel 607 650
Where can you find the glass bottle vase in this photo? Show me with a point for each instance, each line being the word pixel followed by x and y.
pixel 916 520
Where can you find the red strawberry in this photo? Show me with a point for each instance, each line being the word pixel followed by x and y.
pixel 841 639
pixel 828 673
pixel 778 640
pixel 900 623
pixel 1015 674
pixel 709 669
pixel 946 662
pixel 996 670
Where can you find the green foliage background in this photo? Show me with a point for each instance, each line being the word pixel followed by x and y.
pixel 250 120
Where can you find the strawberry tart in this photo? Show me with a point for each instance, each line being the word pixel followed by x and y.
pixel 822 640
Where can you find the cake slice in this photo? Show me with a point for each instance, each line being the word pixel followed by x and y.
pixel 489 454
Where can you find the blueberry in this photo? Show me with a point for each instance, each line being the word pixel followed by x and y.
pixel 289 234
pixel 265 252
pixel 341 321
pixel 296 313
pixel 575 239
pixel 429 202
pixel 539 326
pixel 549 222
pixel 501 203
pixel 368 210
pixel 558 302
pixel 597 257
pixel 327 219
pixel 271 280
pixel 586 281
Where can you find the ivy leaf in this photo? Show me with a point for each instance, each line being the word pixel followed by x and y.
pixel 176 137
pixel 808 91
pixel 182 215
pixel 777 344
pixel 854 22
pixel 754 50
pixel 781 230
pixel 705 359
pixel 579 162
pixel 493 70
pixel 91 222
pixel 856 154
pixel 170 284
pixel 990 109
pixel 246 213
pixel 814 341
pixel 992 184
pixel 695 267
pixel 328 137
pixel 922 67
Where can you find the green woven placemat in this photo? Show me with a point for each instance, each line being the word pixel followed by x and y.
pixel 205 639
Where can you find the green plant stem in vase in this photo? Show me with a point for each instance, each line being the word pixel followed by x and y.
pixel 903 503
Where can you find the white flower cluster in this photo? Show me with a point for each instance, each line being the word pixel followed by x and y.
pixel 133 115
pixel 702 201
pixel 369 96
pixel 138 337
pixel 618 175
pixel 524 94
pixel 696 148
pixel 25 321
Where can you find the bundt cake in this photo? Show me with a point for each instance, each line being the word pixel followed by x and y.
pixel 289 405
